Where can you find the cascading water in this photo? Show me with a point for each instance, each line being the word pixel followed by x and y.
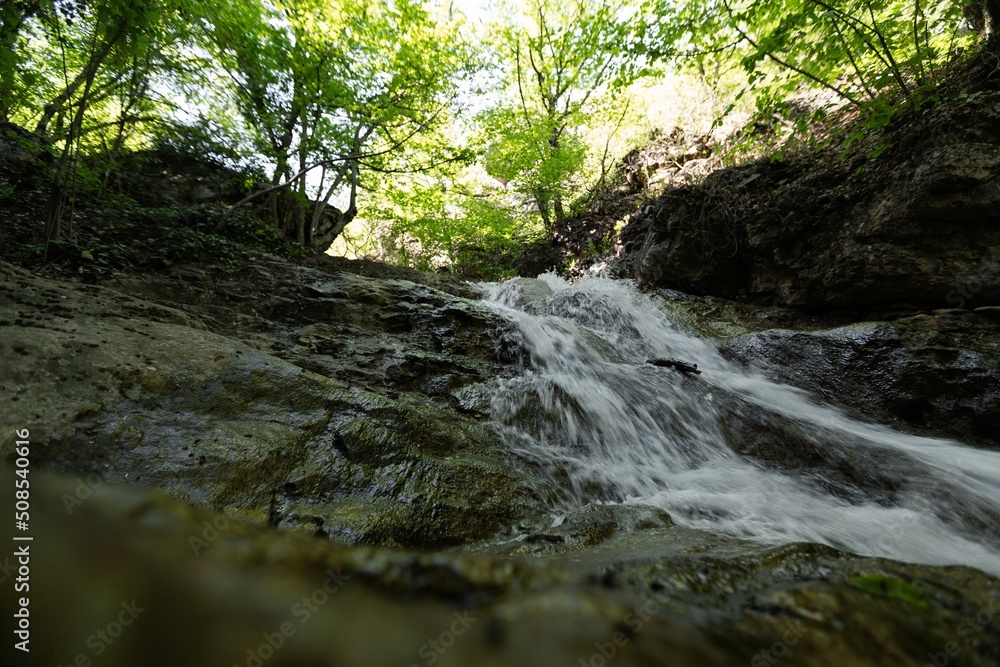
pixel 612 428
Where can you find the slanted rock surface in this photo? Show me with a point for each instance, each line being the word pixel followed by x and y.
pixel 202 589
pixel 354 412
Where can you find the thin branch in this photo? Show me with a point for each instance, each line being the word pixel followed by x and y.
pixel 812 77
pixel 854 64
pixel 860 28
pixel 694 54
pixel 607 147
pixel 917 13
pixel 897 73
pixel 414 170
pixel 353 158
pixel 520 87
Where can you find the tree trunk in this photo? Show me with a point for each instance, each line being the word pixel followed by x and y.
pixel 331 224
pixel 57 198
pixel 86 76
pixel 557 203
pixel 543 209
pixel 557 208
pixel 316 229
pixel 301 203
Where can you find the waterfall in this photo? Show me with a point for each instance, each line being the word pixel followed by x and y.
pixel 610 428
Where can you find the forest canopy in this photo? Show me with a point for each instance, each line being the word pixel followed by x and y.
pixel 432 129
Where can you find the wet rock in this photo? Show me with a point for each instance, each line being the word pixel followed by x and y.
pixel 230 459
pixel 932 375
pixel 676 364
pixel 989 311
pixel 585 526
pixel 144 394
pixel 383 333
pixel 823 458
pixel 524 293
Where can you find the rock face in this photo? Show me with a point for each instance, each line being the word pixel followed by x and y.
pixel 855 234
pixel 933 375
pixel 354 412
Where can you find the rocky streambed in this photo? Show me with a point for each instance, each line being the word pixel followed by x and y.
pixel 296 466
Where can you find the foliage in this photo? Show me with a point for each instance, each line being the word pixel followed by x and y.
pixel 315 101
pixel 880 56
pixel 559 58
pixel 318 86
pixel 449 216
pixel 81 74
pixel 328 87
pixel 555 99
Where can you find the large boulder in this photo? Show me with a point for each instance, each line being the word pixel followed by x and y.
pixel 935 375
pixel 919 224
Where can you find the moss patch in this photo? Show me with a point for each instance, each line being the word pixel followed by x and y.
pixel 891 587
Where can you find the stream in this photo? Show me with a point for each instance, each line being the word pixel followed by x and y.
pixel 610 428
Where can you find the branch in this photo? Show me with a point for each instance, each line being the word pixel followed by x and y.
pixel 917 14
pixel 896 71
pixel 854 63
pixel 520 88
pixel 414 170
pixel 87 74
pixel 130 119
pixel 324 163
pixel 856 25
pixel 812 77
pixel 656 55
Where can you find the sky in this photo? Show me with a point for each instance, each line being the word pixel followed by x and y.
pixel 475 10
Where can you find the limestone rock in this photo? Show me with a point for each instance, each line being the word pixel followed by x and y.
pixel 140 393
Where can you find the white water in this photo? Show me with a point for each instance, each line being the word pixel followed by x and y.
pixel 588 409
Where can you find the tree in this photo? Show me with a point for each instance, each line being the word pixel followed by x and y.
pixel 558 57
pixel 326 88
pixel 101 49
pixel 14 15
